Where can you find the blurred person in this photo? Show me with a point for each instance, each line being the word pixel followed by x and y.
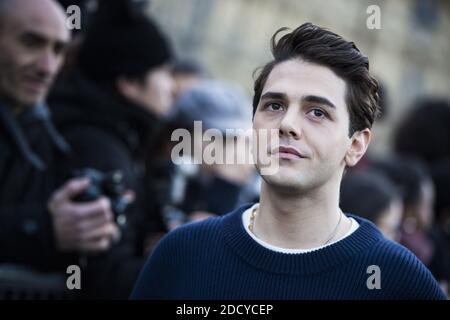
pixel 424 133
pixel 424 197
pixel 42 231
pixel 195 189
pixel 440 265
pixel 425 130
pixel 110 108
pixel 186 74
pixel 321 99
pixel 374 197
pixel 215 188
pixel 413 181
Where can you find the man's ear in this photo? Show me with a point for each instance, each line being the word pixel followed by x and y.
pixel 127 87
pixel 359 143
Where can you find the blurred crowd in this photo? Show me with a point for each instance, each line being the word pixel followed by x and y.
pixel 86 173
pixel 406 193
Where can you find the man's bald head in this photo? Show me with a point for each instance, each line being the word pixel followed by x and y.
pixel 10 8
pixel 33 34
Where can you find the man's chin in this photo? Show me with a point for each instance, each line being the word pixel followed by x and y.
pixel 31 100
pixel 285 181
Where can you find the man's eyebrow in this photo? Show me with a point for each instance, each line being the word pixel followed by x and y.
pixel 41 38
pixel 319 100
pixel 274 95
pixel 33 35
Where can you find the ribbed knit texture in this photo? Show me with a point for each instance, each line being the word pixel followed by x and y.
pixel 217 259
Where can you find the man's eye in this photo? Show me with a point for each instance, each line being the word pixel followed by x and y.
pixel 32 42
pixel 318 113
pixel 59 48
pixel 274 107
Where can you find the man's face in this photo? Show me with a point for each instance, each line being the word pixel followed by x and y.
pixel 305 104
pixel 157 92
pixel 33 36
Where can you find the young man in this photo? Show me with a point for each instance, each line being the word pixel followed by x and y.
pixel 296 243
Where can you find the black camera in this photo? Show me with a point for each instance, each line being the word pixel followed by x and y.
pixel 110 185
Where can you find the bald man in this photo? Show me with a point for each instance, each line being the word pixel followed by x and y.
pixel 41 228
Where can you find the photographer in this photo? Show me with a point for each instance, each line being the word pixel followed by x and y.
pixel 42 231
pixel 110 109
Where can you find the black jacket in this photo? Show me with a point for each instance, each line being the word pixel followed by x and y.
pixel 32 154
pixel 108 133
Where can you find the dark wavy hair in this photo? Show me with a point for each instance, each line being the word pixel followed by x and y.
pixel 318 45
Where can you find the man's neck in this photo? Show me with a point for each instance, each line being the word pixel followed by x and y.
pixel 301 220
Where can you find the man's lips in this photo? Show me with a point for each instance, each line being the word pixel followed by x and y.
pixel 36 85
pixel 289 152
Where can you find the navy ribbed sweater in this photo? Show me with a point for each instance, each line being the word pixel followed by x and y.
pixel 217 259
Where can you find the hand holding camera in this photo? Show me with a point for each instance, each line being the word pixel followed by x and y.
pixel 89 210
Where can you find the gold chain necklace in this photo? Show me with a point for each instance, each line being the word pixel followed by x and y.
pixel 332 235
pixel 252 220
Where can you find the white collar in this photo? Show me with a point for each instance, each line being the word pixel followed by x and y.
pixel 246 221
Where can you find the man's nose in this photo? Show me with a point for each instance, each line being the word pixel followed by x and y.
pixel 290 124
